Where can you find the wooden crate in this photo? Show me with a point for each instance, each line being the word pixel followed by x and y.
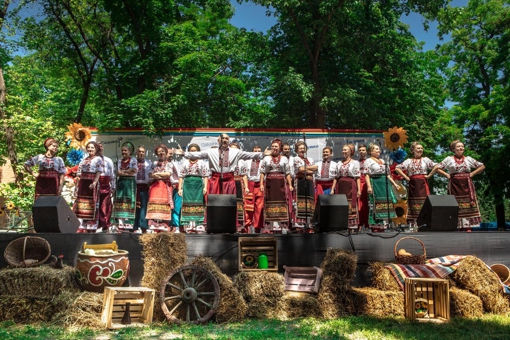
pixel 434 293
pixel 303 279
pixel 255 246
pixel 114 306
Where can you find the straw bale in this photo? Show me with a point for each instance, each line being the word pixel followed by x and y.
pixel 262 307
pixel 253 285
pixel 297 305
pixel 332 305
pixel 162 253
pixel 42 281
pixel 465 304
pixel 475 276
pixel 31 309
pixel 232 307
pixel 382 278
pixel 374 302
pixel 84 310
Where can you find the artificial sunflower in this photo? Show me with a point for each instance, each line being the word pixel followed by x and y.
pixel 401 211
pixel 78 135
pixel 395 137
pixel 9 206
pixel 2 212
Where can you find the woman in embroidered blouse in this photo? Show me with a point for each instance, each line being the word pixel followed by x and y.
pixel 460 184
pixel 159 208
pixel 304 170
pixel 50 178
pixel 380 194
pixel 124 204
pixel 348 183
pixel 415 172
pixel 87 196
pixel 275 182
pixel 193 180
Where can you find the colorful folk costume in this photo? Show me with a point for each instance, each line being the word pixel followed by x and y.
pixel 160 205
pixel 382 198
pixel 177 199
pixel 326 173
pixel 254 200
pixel 193 173
pixel 238 179
pixel 124 205
pixel 346 184
pixel 87 199
pixel 276 171
pixel 51 172
pixel 461 186
pixel 416 169
pixel 304 188
pixel 363 207
pixel 106 187
pixel 142 193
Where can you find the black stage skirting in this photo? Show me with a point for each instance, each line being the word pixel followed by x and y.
pixel 293 250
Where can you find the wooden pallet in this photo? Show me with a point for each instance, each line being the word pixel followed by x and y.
pixel 433 292
pixel 254 246
pixel 141 301
pixel 303 279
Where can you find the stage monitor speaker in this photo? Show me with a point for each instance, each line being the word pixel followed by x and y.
pixel 331 213
pixel 221 214
pixel 439 213
pixel 52 214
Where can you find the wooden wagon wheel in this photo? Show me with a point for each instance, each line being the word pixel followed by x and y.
pixel 189 294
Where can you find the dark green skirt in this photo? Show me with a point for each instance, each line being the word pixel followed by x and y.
pixel 124 204
pixel 381 200
pixel 193 207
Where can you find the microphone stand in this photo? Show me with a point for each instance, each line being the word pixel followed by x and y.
pixel 386 173
pixel 222 154
pixel 306 184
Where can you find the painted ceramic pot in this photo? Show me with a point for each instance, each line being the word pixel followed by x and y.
pixel 96 271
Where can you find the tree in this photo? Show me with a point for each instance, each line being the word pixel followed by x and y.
pixel 478 80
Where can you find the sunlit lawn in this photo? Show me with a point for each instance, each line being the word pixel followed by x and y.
pixel 488 327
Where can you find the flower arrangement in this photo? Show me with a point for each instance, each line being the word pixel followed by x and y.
pixel 77 135
pixel 395 137
pixel 398 156
pixel 74 156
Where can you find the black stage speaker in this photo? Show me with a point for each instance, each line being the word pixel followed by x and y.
pixel 439 213
pixel 221 214
pixel 51 214
pixel 331 212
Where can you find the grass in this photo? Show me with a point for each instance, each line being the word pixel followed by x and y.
pixel 489 327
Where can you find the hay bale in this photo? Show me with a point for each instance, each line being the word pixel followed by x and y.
pixel 297 305
pixel 232 307
pixel 374 302
pixel 162 253
pixel 83 310
pixel 465 304
pixel 382 278
pixel 30 309
pixel 42 281
pixel 474 275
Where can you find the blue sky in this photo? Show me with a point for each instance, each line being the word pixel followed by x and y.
pixel 253 17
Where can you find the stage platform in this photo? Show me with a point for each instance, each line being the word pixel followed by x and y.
pixel 293 249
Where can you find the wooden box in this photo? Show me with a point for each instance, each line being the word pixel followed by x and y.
pixel 251 247
pixel 303 279
pixel 141 301
pixel 427 300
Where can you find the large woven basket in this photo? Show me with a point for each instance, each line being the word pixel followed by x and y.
pixel 413 259
pixel 27 248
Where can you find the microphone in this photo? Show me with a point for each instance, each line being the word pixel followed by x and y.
pixel 119 140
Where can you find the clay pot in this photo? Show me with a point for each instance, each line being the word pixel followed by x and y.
pixel 96 271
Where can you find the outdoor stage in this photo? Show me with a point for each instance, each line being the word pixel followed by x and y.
pixel 293 249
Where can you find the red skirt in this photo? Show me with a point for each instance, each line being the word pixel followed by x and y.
pixel 160 201
pixel 461 186
pixel 85 206
pixel 275 200
pixel 47 183
pixel 418 192
pixel 363 208
pixel 348 187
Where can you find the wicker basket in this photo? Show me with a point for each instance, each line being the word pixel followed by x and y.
pixel 27 248
pixel 413 259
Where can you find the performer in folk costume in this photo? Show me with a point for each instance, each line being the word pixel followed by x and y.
pixel 239 182
pixel 253 195
pixel 177 199
pixel 87 196
pixel 380 194
pixel 193 179
pixel 142 189
pixel 275 182
pixel 160 205
pixel 222 163
pixel 286 151
pixel 51 170
pixel 106 191
pixel 461 185
pixel 124 205
pixel 415 172
pixel 326 173
pixel 304 170
pixel 363 208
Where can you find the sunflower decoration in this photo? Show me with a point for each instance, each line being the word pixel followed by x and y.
pixel 401 211
pixel 395 137
pixel 77 135
pixel 421 307
pixel 9 205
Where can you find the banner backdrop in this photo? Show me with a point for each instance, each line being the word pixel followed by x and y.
pixel 316 140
